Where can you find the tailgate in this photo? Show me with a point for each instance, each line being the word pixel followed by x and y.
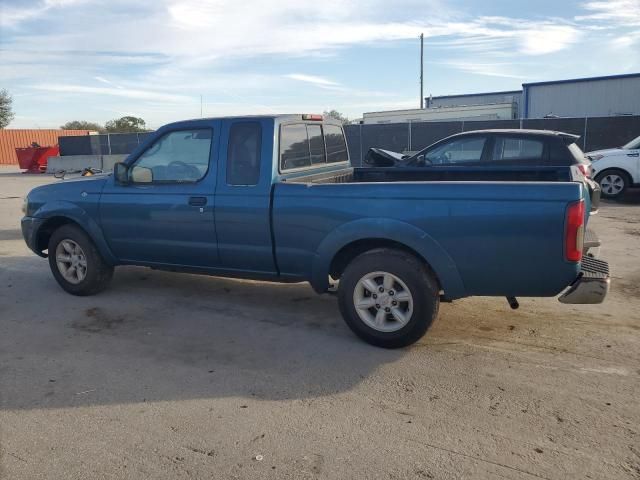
pixel 594 194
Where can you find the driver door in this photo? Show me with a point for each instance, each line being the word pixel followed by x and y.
pixel 165 214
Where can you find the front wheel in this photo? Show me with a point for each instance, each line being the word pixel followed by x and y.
pixel 613 183
pixel 76 263
pixel 388 298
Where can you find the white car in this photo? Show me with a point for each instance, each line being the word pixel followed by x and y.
pixel 617 169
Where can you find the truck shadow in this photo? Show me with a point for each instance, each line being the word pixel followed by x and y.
pixel 630 197
pixel 156 336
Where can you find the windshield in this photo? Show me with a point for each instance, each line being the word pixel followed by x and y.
pixel 633 144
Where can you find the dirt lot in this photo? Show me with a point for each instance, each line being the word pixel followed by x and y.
pixel 180 376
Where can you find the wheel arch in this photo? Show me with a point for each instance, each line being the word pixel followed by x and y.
pixel 352 239
pixel 620 169
pixel 55 218
pixel 613 169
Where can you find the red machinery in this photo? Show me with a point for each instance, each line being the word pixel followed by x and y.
pixel 34 159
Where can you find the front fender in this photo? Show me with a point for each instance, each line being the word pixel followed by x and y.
pixel 396 231
pixel 64 209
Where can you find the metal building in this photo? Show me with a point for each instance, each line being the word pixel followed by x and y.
pixel 583 97
pixel 514 96
pixel 496 111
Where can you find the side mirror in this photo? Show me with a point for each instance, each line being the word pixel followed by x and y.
pixel 121 173
pixel 141 175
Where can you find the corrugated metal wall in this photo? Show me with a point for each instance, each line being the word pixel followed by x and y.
pixel 10 139
pixel 594 98
pixel 475 99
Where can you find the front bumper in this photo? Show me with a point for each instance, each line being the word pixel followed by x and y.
pixel 592 285
pixel 30 227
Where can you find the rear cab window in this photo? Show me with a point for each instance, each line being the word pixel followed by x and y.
pixel 305 145
pixel 336 144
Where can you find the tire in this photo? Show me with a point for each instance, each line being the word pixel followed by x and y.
pixel 380 324
pixel 64 244
pixel 613 182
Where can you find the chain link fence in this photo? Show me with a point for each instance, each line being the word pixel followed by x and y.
pixel 104 144
pixel 595 133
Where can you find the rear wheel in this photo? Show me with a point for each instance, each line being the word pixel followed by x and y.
pixel 76 263
pixel 613 183
pixel 388 298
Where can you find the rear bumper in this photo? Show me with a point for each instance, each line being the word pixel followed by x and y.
pixel 30 227
pixel 591 286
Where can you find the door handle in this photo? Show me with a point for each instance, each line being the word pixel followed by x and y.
pixel 633 154
pixel 197 201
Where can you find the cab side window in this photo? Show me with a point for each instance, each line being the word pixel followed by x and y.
pixel 243 153
pixel 181 156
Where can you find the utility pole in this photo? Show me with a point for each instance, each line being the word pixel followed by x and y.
pixel 200 105
pixel 421 71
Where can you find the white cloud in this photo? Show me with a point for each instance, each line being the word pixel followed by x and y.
pixel 313 79
pixel 502 70
pixel 614 12
pixel 12 16
pixel 204 31
pixel 118 92
pixel 171 51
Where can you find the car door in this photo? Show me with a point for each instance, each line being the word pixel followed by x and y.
pixel 243 196
pixel 164 214
pixel 633 155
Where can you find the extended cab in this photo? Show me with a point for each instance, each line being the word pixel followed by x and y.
pixel 275 198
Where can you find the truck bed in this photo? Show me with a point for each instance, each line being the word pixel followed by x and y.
pixel 464 228
pixel 438 174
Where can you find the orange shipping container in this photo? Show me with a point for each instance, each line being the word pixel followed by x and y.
pixel 10 139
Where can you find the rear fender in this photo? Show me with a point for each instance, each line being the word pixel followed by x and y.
pixel 387 229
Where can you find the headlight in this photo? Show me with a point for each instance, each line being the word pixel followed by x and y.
pixel 595 158
pixel 25 205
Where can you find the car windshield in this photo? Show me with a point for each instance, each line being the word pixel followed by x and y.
pixel 633 144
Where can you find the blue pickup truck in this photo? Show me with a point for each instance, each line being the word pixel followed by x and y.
pixel 275 198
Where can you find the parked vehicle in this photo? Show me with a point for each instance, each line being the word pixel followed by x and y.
pixel 536 155
pixel 499 148
pixel 617 169
pixel 274 198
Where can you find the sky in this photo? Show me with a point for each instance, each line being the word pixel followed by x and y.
pixel 164 60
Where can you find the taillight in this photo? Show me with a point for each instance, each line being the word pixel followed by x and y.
pixel 314 117
pixel 585 169
pixel 574 232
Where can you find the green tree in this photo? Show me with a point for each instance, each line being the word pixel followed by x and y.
pixel 6 112
pixel 82 125
pixel 337 115
pixel 126 125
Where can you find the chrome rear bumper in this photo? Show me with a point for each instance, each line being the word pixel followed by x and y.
pixel 591 286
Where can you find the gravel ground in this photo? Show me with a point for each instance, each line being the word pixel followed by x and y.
pixel 181 376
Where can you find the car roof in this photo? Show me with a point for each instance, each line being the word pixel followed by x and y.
pixel 280 117
pixel 521 133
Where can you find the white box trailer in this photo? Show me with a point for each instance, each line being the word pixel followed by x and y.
pixel 495 111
